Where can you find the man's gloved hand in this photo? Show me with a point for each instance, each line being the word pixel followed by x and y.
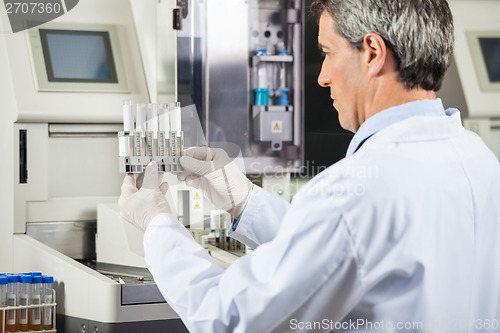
pixel 214 173
pixel 140 206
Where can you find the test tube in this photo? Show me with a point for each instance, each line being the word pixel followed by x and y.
pixel 140 130
pixel 223 239
pixel 4 281
pixel 24 300
pixel 12 323
pixel 226 220
pixel 164 129
pixel 175 124
pixel 35 317
pixel 47 282
pixel 215 215
pixel 128 116
pixel 125 138
pixel 262 89
pixel 152 130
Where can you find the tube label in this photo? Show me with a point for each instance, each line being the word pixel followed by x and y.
pixel 137 144
pixel 161 143
pixel 23 314
pixel 36 314
pixel 47 311
pixel 149 143
pixel 173 143
pixel 11 314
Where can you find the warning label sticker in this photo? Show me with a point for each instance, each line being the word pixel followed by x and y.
pixel 277 126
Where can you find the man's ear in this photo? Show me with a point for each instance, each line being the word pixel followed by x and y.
pixel 375 53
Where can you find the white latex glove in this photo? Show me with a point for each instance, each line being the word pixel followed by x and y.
pixel 140 206
pixel 215 174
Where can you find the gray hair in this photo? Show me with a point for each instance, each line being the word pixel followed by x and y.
pixel 419 33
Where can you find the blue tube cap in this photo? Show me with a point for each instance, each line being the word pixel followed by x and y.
pixel 25 278
pixel 47 279
pixel 13 278
pixel 4 279
pixel 283 98
pixel 262 96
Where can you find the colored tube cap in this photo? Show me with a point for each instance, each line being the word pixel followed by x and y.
pixel 47 279
pixel 13 278
pixel 25 278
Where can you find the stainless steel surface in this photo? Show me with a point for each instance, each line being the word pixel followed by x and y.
pixel 137 284
pixel 227 63
pixel 74 239
pixel 217 70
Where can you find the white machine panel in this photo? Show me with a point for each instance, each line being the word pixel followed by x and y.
pixel 71 107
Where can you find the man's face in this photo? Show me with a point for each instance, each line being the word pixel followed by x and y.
pixel 342 72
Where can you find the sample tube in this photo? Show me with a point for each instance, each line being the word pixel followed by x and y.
pixel 152 124
pixel 226 220
pixel 4 281
pixel 176 124
pixel 215 219
pixel 140 130
pixel 140 121
pixel 223 239
pixel 282 90
pixel 47 282
pixel 128 116
pixel 11 321
pixel 152 130
pixel 164 129
pixel 262 90
pixel 24 300
pixel 35 317
pixel 125 138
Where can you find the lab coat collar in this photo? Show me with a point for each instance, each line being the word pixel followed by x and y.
pixel 395 114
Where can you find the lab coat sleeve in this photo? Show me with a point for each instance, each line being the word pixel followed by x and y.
pixel 309 271
pixel 261 218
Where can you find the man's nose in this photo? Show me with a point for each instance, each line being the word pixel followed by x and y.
pixel 323 78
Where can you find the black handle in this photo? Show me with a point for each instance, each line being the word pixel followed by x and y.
pixel 177 23
pixel 23 163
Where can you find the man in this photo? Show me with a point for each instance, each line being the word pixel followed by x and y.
pixel 400 236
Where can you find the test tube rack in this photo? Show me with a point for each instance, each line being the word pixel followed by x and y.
pixel 137 164
pixel 156 136
pixel 43 307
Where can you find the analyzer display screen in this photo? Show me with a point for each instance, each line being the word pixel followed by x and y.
pixel 78 56
pixel 490 48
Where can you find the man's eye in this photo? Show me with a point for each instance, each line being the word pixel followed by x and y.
pixel 323 54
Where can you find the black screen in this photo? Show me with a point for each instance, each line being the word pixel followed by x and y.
pixel 491 54
pixel 78 56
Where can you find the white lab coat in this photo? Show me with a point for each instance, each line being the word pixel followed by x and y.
pixel 404 234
